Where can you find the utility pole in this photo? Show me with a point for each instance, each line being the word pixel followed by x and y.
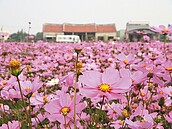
pixel 29 31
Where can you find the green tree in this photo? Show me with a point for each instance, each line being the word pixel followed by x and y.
pixel 18 37
pixel 39 36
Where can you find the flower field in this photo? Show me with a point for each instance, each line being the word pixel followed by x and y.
pixel 90 85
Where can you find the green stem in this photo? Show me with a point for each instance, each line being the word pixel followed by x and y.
pixel 65 123
pixel 24 104
pixel 76 79
pixel 171 75
pixel 102 102
pixel 5 116
pixel 89 110
pixel 98 117
pixel 165 40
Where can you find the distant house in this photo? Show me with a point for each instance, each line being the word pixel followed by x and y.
pixel 86 32
pixel 135 31
pixel 120 35
pixel 3 35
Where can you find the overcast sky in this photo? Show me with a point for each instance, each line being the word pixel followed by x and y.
pixel 16 14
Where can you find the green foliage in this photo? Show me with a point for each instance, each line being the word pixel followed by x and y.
pixel 39 36
pixel 18 37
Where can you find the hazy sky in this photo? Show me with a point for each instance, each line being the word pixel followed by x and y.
pixel 16 14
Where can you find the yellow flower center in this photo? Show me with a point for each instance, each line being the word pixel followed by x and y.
pixel 33 95
pixel 126 61
pixel 28 67
pixel 54 82
pixel 104 87
pixel 121 122
pixel 65 111
pixel 68 50
pixel 153 56
pixel 164 31
pixel 161 92
pixel 149 69
pixel 143 121
pixel 27 89
pixel 71 96
pixel 133 106
pixel 144 65
pixel 14 64
pixel 106 106
pixel 150 84
pixel 1 105
pixel 4 82
pixel 99 60
pixel 142 94
pixel 169 69
pixel 157 107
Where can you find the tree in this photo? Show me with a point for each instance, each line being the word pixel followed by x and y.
pixel 18 37
pixel 39 36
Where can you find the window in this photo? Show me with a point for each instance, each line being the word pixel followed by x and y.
pixel 101 38
pixel 110 37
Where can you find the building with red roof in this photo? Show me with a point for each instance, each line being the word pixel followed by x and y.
pixel 86 32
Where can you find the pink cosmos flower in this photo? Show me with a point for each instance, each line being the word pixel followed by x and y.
pixel 136 76
pixel 169 117
pixel 131 124
pixel 114 110
pixel 10 94
pixel 68 56
pixel 170 38
pixel 168 90
pixel 147 121
pixel 140 32
pixel 40 99
pixel 29 87
pixel 62 109
pixel 168 66
pixel 68 80
pixel 127 59
pixel 146 38
pixel 162 29
pixel 118 124
pixel 4 107
pixel 39 118
pixel 12 125
pixel 107 84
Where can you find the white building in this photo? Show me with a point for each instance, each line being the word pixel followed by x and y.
pixel 86 32
pixel 4 35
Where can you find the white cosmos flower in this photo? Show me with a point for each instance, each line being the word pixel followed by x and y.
pixel 53 82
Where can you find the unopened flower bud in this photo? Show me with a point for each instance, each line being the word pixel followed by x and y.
pixel 78 50
pixel 15 67
pixel 79 65
pixel 125 113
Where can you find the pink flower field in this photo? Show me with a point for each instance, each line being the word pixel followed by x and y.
pixel 89 85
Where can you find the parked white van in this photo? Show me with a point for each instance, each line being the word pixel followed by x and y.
pixel 68 38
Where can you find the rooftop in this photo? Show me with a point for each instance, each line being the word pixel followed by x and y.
pixel 67 27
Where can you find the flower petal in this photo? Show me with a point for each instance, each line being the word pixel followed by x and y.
pixel 91 78
pixel 110 76
pixel 88 92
